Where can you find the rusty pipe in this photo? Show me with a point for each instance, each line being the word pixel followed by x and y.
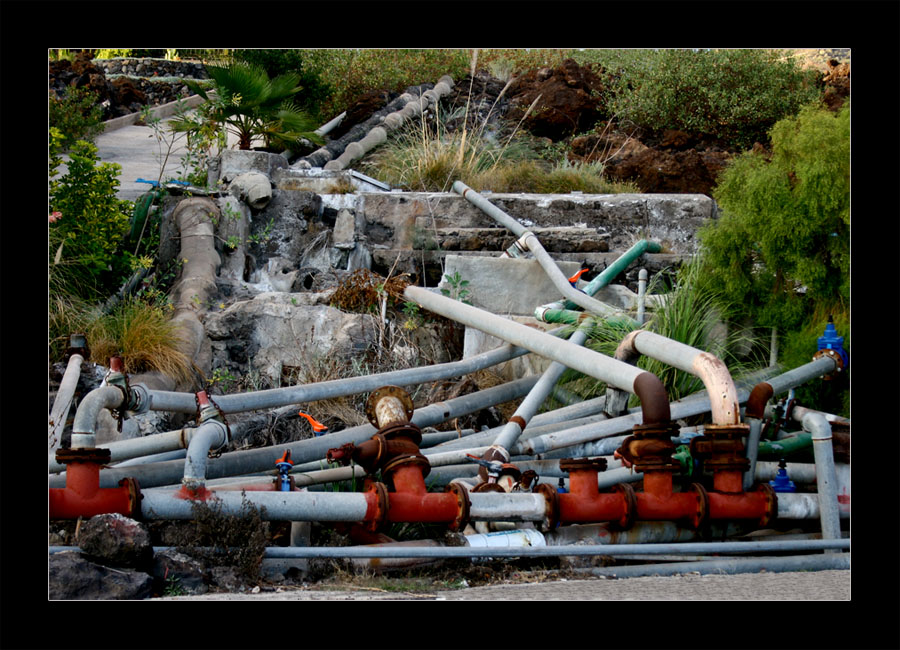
pixel 709 368
pixel 654 401
pixel 82 496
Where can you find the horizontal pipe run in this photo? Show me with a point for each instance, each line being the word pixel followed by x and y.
pixel 612 550
pixel 244 462
pixel 728 566
pixel 290 395
pixel 137 447
pixel 803 505
pixel 620 264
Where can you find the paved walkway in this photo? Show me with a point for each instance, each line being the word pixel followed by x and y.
pixel 813 585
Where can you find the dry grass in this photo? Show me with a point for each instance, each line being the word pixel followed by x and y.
pixel 145 338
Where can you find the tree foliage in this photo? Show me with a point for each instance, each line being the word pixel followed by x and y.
pixel 783 241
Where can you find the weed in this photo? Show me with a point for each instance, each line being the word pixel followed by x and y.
pixel 456 288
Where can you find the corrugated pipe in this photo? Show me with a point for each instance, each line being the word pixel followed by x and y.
pixel 654 401
pixel 244 462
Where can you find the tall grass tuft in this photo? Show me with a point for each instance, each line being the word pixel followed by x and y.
pixel 144 336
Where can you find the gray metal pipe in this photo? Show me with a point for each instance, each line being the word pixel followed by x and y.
pixel 59 413
pixel 537 395
pixel 528 241
pixel 729 566
pixel 826 479
pixel 753 436
pixel 209 436
pixel 289 395
pixel 578 358
pixel 802 374
pixel 85 425
pixel 709 368
pixel 642 295
pixel 802 505
pixel 137 447
pixel 239 463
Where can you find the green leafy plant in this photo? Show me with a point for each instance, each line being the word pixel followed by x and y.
pixel 90 225
pixel 252 106
pixel 112 53
pixel 456 287
pixel 78 115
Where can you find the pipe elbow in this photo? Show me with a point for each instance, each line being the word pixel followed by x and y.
pixel 654 400
pixel 759 397
pixel 817 425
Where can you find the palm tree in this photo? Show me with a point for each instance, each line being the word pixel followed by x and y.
pixel 251 105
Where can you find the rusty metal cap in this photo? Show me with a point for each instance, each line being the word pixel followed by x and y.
pixel 576 464
pixel 387 391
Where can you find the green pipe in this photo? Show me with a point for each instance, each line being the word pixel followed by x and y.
pixel 786 445
pixel 611 271
pixel 572 317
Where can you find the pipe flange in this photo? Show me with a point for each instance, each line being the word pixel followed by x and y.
pixel 582 464
pixel 402 430
pixel 387 391
pixel 488 487
pixel 701 518
pixel 629 498
pixel 417 460
pixel 98 455
pixel 382 506
pixel 551 513
pixel 462 503
pixel 134 497
pixel 834 356
pixel 771 504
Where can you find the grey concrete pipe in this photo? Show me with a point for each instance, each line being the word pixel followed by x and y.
pixel 654 401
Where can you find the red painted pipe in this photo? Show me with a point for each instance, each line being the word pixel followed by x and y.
pixel 585 504
pixel 83 496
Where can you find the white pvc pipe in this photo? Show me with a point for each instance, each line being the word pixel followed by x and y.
pixel 85 425
pixel 63 402
pixel 826 479
pixel 212 434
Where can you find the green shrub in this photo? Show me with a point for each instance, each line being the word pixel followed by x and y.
pixel 782 244
pixel 112 53
pixel 88 225
pixel 78 116
pixel 734 95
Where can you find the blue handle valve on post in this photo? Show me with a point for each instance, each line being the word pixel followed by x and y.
pixel 832 345
pixel 782 483
pixel 284 466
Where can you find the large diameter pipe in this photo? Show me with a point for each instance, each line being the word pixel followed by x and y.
pixel 654 401
pixel 121 450
pixel 826 479
pixel 210 435
pixel 85 425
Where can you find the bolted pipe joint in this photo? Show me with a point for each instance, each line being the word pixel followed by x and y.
pixel 83 496
pixel 722 450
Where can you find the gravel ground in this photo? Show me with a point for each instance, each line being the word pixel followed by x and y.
pixel 814 585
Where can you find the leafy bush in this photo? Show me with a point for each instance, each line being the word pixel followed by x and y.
pixel 112 53
pixel 734 95
pixel 782 244
pixel 88 224
pixel 78 116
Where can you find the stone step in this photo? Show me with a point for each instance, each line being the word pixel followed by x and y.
pixel 560 239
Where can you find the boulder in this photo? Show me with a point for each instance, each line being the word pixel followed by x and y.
pixel 115 540
pixel 179 573
pixel 73 577
pixel 284 329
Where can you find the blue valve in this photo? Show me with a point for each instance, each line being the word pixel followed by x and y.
pixel 284 465
pixel 834 343
pixel 782 483
pixel 562 486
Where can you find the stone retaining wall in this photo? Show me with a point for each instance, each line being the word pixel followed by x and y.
pixel 152 68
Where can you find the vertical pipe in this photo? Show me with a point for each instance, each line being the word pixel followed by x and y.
pixel 63 402
pixel 826 479
pixel 642 295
